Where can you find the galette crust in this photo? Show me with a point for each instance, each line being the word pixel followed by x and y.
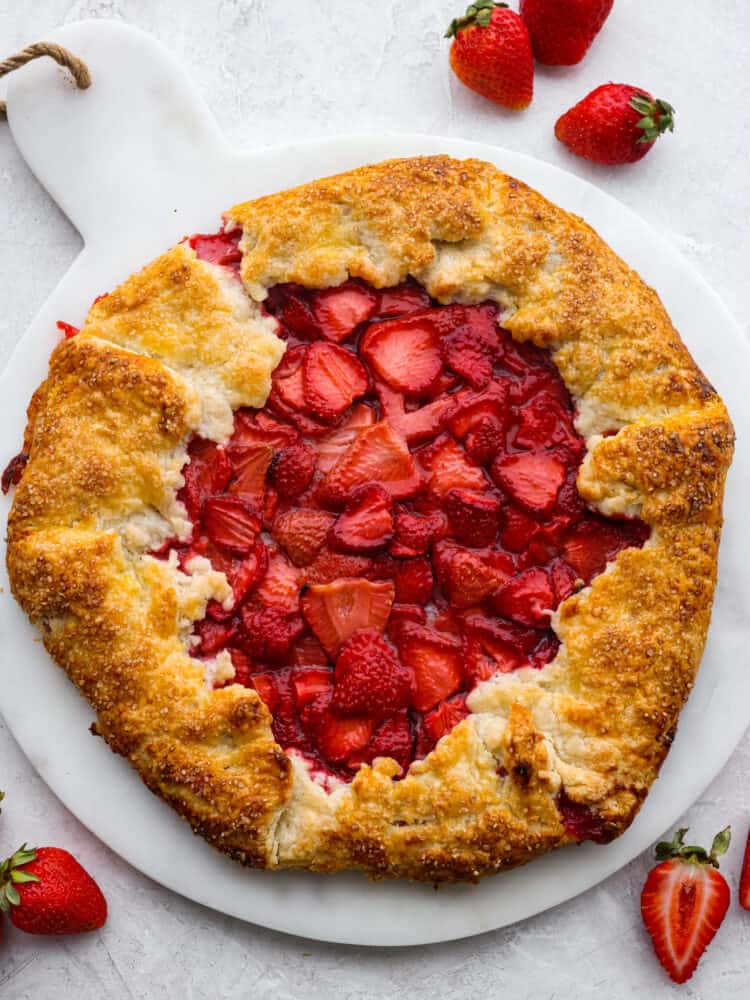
pixel 178 346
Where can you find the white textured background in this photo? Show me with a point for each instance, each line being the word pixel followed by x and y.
pixel 273 71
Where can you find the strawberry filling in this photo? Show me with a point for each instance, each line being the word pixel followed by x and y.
pixel 397 524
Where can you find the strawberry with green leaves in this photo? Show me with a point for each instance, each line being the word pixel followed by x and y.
pixel 684 902
pixel 615 124
pixel 562 30
pixel 491 53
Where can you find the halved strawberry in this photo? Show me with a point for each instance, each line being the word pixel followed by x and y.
pixel 270 631
pixel 532 479
pixel 250 463
pixel 403 299
pixel 340 310
pixel 230 522
pixel 329 566
pixel 243 667
pixel 405 353
pixel 309 682
pixel 332 378
pixel 414 581
pixel 402 613
pixel 449 467
pixel 286 723
pixel 247 574
pixel 473 516
pixel 266 684
pixel 301 531
pixel 281 584
pixel 218 248
pixel 471 348
pixel 414 533
pixel 478 419
pixel 337 737
pixel 518 530
pixel 393 738
pixel 436 662
pixel 292 470
pixel 366 523
pixel 333 445
pixel 335 611
pixel 214 636
pixel 527 598
pixel 591 544
pixel 251 428
pixel 544 422
pixel 287 399
pixel 441 720
pixel 377 455
pixel 415 426
pixel 484 657
pixel 545 652
pixel 493 630
pixel 468 577
pixel 370 679
pixel 289 303
pixel 564 580
pixel 206 473
pixel 308 652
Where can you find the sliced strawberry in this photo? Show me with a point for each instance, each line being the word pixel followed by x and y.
pixel 335 611
pixel 527 598
pixel 332 379
pixel 592 544
pixel 337 737
pixel 471 348
pixel 250 464
pixel 366 523
pixel 370 679
pixel 492 630
pixel 436 662
pixel 414 534
pixel 405 353
pixel 518 530
pixel 252 428
pixel 468 577
pixel 301 532
pixel 473 516
pixel 270 506
pixel 544 422
pixel 247 574
pixel 287 399
pixel 337 442
pixel 309 682
pixel 479 420
pixel 329 566
pixel 403 299
pixel 286 724
pixel 340 310
pixel 214 636
pixel 564 580
pixel 484 657
pixel 449 467
pixel 402 613
pixel 441 720
pixel 415 426
pixel 230 522
pixel 308 652
pixel 270 632
pixel 393 738
pixel 532 479
pixel 266 684
pixel 545 652
pixel 281 584
pixel 289 303
pixel 414 581
pixel 243 667
pixel 446 621
pixel 292 470
pixel 218 248
pixel 378 455
pixel 207 473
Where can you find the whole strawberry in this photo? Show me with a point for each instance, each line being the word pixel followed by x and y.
pixel 562 30
pixel 684 901
pixel 46 891
pixel 491 53
pixel 615 124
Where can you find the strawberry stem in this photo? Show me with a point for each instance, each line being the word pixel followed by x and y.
pixel 657 116
pixel 676 848
pixel 478 13
pixel 12 875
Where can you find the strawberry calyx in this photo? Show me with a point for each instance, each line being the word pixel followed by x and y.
pixel 694 854
pixel 478 13
pixel 657 116
pixel 12 874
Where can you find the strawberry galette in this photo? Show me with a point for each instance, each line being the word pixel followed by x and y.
pixel 380 527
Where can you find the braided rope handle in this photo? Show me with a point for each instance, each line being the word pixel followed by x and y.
pixel 78 69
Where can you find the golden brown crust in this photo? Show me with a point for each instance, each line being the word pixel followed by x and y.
pixel 596 723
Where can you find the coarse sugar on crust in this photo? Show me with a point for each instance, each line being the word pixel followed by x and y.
pixel 176 348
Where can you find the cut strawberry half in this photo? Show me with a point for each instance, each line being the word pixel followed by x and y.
pixel 332 378
pixel 370 679
pixel 473 516
pixel 518 530
pixel 528 598
pixel 281 583
pixel 218 248
pixel 470 349
pixel 402 613
pixel 207 473
pixel 308 652
pixel 377 455
pixel 479 419
pixel 493 630
pixel 403 299
pixel 590 545
pixel 443 719
pixel 250 464
pixel 289 304
pixel 231 523
pixel 301 532
pixel 214 636
pixel 532 479
pixel 339 311
pixel 266 684
pixel 252 428
pixel 335 611
pixel 247 574
pixel 393 738
pixel 450 468
pixel 414 533
pixel 485 657
pixel 333 445
pixel 405 353
pixel 270 632
pixel 435 661
pixel 414 581
pixel 329 566
pixel 337 737
pixel 419 425
pixel 543 422
pixel 366 523
pixel 292 470
pixel 309 682
pixel 564 580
